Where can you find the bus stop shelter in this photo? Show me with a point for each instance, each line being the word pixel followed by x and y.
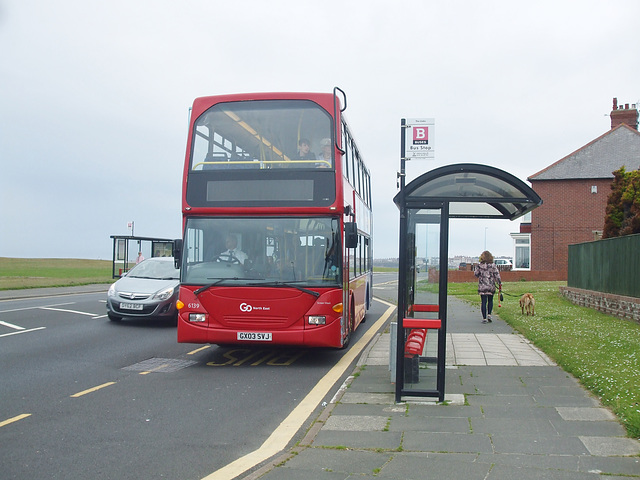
pixel 127 247
pixel 426 205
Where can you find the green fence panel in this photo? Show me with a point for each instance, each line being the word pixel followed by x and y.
pixel 608 266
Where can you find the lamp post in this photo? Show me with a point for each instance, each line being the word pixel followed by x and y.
pixel 485 237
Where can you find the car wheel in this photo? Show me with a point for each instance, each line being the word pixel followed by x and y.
pixel 114 318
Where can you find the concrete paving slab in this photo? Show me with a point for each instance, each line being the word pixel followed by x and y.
pixel 386 410
pixel 551 462
pixel 506 472
pixel 537 444
pixel 408 466
pixel 585 413
pixel 356 423
pixel 345 461
pixel 447 411
pixel 611 446
pixel 626 466
pixel 375 398
pixel 429 424
pixel 449 399
pixel 565 401
pixel 446 442
pixel 577 428
pixel 524 402
pixel 285 473
pixel 520 426
pixel 495 349
pixel 507 412
pixel 359 440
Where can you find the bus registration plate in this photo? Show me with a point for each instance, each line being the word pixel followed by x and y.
pixel 131 306
pixel 254 336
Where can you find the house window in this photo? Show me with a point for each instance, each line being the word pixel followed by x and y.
pixel 522 257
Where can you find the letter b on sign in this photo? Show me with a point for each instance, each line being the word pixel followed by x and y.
pixel 420 135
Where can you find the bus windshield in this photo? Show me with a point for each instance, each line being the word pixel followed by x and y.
pixel 263 134
pixel 262 251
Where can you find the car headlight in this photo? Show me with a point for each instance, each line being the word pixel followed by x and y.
pixel 112 290
pixel 164 294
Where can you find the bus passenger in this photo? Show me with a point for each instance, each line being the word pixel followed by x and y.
pixel 325 154
pixel 304 150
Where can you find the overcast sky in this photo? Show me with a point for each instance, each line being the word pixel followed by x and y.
pixel 94 98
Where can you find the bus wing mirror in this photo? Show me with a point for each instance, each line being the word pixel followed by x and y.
pixel 350 234
pixel 177 252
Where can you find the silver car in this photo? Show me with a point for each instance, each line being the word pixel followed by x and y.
pixel 148 290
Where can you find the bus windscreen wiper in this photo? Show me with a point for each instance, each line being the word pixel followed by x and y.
pixel 286 284
pixel 209 285
pixel 218 281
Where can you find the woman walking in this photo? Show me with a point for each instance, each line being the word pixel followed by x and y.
pixel 488 277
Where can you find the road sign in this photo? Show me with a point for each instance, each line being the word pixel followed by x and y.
pixel 419 138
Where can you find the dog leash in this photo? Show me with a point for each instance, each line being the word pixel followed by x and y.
pixel 510 295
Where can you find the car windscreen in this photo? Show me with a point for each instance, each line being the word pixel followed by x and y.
pixel 160 270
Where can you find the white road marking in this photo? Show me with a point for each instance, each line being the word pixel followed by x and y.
pixel 68 311
pixel 22 331
pixel 11 325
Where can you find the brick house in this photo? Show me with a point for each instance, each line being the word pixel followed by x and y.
pixel 575 189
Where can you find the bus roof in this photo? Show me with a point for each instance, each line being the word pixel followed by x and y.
pixel 201 104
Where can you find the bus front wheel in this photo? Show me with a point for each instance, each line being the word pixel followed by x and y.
pixel 347 337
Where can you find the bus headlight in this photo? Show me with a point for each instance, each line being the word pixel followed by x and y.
pixel 198 317
pixel 317 320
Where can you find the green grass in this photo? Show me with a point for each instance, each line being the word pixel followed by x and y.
pixel 385 269
pixel 20 273
pixel 601 351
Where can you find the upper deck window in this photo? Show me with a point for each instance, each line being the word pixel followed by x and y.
pixel 263 134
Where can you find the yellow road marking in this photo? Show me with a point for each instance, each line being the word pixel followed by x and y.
pixel 154 369
pixel 198 350
pixel 14 419
pixel 290 425
pixel 91 390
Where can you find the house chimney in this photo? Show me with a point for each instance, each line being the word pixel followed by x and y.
pixel 624 114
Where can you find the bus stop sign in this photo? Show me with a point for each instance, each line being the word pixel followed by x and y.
pixel 419 138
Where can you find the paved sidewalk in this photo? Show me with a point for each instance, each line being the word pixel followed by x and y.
pixel 509 413
pixel 53 291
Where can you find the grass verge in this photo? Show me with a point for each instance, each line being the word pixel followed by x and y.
pixel 20 273
pixel 601 351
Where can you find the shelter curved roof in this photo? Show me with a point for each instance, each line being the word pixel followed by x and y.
pixel 472 191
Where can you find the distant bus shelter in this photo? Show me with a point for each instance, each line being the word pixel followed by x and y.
pixel 128 249
pixel 426 204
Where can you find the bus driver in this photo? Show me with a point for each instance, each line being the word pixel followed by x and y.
pixel 232 250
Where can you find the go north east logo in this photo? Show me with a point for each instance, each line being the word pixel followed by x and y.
pixel 246 307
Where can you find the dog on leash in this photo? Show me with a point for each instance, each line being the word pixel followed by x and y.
pixel 528 303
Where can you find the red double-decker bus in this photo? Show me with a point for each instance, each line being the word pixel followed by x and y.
pixel 277 242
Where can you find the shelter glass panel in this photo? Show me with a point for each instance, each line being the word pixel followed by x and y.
pixel 423 279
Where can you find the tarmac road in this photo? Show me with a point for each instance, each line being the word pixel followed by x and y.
pixel 85 397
